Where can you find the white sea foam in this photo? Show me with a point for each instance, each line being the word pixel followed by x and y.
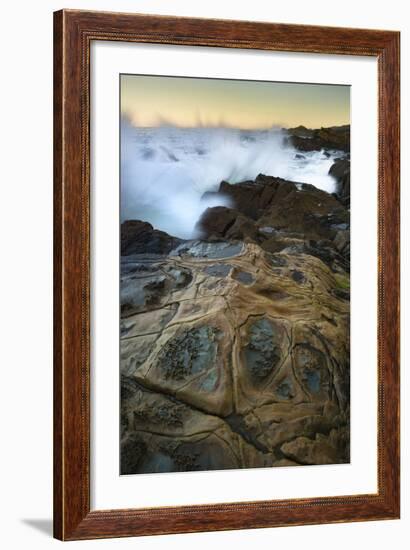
pixel 166 170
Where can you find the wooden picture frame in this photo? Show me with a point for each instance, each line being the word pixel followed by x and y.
pixel 74 32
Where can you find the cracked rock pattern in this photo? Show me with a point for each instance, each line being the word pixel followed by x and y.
pixel 235 351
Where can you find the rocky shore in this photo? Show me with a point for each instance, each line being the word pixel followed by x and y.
pixel 335 137
pixel 235 347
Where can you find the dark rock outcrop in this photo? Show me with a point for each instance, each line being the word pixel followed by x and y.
pixel 336 138
pixel 139 237
pixel 340 170
pixel 301 132
pixel 281 215
pixel 224 222
pixel 300 208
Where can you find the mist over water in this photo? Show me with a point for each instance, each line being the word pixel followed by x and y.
pixel 166 170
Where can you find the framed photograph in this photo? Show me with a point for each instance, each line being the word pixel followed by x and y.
pixel 226 275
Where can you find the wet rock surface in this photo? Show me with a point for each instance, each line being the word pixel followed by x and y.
pixel 235 348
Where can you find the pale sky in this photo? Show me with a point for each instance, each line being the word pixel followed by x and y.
pixel 190 102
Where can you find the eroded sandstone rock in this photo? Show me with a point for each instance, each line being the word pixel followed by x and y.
pixel 235 351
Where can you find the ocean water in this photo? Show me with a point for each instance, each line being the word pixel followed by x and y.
pixel 166 170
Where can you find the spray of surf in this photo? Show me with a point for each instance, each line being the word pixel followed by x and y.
pixel 166 170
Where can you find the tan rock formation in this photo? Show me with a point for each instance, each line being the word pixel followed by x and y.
pixel 232 357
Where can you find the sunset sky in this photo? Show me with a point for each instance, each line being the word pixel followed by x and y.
pixel 189 102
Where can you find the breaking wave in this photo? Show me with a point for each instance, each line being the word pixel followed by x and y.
pixel 166 170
